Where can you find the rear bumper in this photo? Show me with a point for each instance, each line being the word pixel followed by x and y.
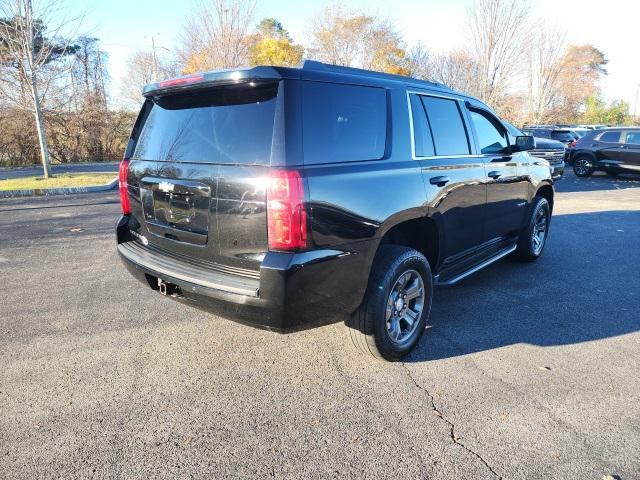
pixel 293 289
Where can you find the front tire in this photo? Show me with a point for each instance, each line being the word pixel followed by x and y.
pixel 583 166
pixel 534 237
pixel 394 312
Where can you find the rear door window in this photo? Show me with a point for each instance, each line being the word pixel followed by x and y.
pixel 343 123
pixel 447 126
pixel 230 125
pixel 610 137
pixel 423 141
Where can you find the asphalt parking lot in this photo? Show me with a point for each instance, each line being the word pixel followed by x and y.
pixel 526 372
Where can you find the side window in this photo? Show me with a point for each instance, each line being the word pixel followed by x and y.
pixel 632 137
pixel 423 142
pixel 343 123
pixel 447 127
pixel 491 138
pixel 610 137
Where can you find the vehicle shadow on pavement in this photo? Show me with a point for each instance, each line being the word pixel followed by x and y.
pixel 584 288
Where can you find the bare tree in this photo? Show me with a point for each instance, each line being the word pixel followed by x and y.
pixel 143 67
pixel 31 40
pixel 457 70
pixel 546 47
pixel 336 35
pixel 354 39
pixel 217 36
pixel 498 30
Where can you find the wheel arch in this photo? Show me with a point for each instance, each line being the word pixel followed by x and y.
pixel 420 233
pixel 546 191
pixel 583 153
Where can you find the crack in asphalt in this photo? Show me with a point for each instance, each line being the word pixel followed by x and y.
pixel 451 425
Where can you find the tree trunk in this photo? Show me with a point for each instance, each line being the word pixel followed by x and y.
pixel 42 135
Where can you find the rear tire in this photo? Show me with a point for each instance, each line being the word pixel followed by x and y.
pixel 534 237
pixel 396 306
pixel 583 166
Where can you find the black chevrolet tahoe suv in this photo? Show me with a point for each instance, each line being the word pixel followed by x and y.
pixel 284 196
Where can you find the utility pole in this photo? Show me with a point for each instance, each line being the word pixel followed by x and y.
pixel 635 104
pixel 155 59
pixel 154 47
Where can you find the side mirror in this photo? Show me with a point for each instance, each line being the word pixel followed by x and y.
pixel 523 143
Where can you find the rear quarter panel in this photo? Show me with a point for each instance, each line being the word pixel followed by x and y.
pixel 353 204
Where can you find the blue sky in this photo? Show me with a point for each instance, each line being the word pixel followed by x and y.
pixel 125 26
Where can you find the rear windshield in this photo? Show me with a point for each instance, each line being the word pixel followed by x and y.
pixel 562 135
pixel 233 124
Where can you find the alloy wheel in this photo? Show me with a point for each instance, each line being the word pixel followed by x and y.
pixel 582 166
pixel 404 307
pixel 539 233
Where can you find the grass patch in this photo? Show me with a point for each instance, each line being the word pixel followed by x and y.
pixel 63 180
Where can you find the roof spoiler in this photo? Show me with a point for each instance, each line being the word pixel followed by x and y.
pixel 220 77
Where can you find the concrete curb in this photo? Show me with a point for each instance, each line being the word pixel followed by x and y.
pixel 38 192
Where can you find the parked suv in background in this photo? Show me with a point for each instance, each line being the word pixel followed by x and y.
pixel 552 151
pixel 563 135
pixel 280 196
pixel 611 150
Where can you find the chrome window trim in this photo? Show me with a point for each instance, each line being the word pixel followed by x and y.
pixel 412 131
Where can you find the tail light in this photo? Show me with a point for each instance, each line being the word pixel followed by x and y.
pixel 122 187
pixel 286 215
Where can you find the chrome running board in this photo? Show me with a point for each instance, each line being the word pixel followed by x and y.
pixel 480 266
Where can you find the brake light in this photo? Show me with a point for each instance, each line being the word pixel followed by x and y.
pixel 286 214
pixel 174 82
pixel 122 187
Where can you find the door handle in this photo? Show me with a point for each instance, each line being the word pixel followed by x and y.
pixel 439 181
pixel 494 174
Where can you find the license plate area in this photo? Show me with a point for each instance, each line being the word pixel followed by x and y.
pixel 176 209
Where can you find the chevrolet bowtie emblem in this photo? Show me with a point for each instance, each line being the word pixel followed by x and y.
pixel 166 187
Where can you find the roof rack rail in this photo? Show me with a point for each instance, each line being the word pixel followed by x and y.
pixel 316 66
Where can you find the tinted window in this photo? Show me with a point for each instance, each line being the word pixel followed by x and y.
pixel 611 137
pixel 632 137
pixel 563 136
pixel 226 125
pixel 490 139
pixel 536 133
pixel 343 123
pixel 449 134
pixel 421 130
pixel 513 130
